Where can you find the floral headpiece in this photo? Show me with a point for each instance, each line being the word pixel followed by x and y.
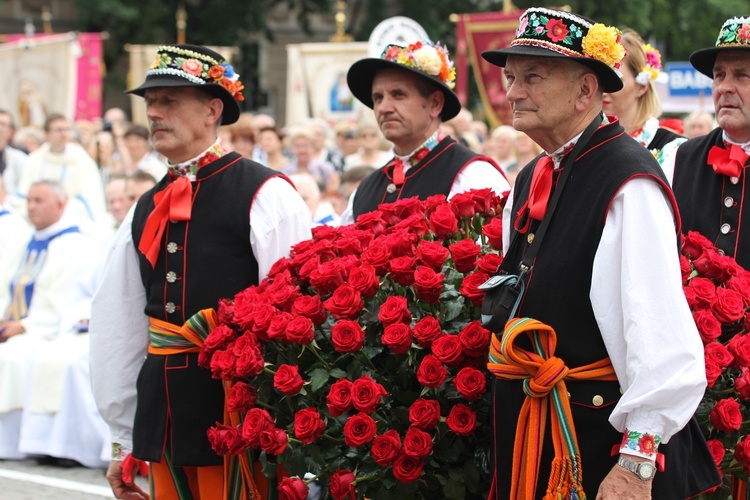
pixel 197 68
pixel 431 59
pixel 570 35
pixel 734 32
pixel 652 69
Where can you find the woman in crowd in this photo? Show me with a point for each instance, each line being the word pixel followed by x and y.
pixel 637 104
pixel 369 152
pixel 271 143
pixel 501 145
pixel 301 141
pixel 699 123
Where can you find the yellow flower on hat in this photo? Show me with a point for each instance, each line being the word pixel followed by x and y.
pixel 427 60
pixel 603 44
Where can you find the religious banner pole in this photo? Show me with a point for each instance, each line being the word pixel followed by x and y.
pixel 181 23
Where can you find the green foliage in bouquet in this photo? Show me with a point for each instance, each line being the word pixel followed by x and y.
pixel 360 358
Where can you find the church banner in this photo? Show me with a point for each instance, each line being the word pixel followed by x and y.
pixel 475 34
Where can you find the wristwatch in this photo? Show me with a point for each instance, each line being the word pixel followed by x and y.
pixel 644 470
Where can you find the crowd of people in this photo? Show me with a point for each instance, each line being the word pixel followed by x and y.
pixel 94 221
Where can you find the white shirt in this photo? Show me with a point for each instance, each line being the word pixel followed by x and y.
pixel 641 310
pixel 119 328
pixel 478 174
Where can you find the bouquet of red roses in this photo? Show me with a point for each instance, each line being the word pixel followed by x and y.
pixel 718 292
pixel 360 358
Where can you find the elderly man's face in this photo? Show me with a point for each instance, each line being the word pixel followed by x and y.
pixel 731 93
pixel 403 114
pixel 542 93
pixel 45 206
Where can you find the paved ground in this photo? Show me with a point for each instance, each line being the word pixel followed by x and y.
pixel 26 480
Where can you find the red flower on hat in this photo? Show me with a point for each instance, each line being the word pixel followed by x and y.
pixel 556 30
pixel 743 34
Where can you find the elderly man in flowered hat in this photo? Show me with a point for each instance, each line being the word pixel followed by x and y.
pixel 626 368
pixel 709 178
pixel 409 89
pixel 210 228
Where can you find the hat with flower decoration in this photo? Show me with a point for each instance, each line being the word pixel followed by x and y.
pixel 734 35
pixel 195 66
pixel 424 58
pixel 553 33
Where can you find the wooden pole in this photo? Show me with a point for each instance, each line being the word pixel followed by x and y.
pixel 181 23
pixel 47 20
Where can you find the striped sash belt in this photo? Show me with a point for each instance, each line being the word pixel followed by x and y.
pixel 166 338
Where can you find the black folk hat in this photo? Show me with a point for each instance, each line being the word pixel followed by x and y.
pixel 195 66
pixel 552 33
pixel 734 35
pixel 430 61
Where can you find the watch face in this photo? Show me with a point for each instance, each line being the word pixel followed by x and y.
pixel 646 470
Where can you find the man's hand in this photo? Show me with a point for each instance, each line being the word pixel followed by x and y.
pixel 120 488
pixel 621 484
pixel 10 329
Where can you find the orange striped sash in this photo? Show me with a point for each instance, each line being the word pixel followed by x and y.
pixel 544 377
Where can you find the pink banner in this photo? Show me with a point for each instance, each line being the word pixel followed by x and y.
pixel 475 34
pixel 90 72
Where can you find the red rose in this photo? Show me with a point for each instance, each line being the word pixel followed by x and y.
pixel 366 394
pixel 292 488
pixel 345 303
pixel 728 305
pixel 717 450
pixel 385 448
pixel 257 421
pixel 432 202
pixel 428 284
pixel 443 222
pixel 281 265
pixel 401 209
pixel 328 276
pixel 742 385
pixel 273 441
pixel 311 307
pixel 708 326
pixel 277 328
pixel 489 263
pixel 226 440
pixel 225 314
pixel 704 289
pixel 378 255
pixel 219 338
pixel 397 338
pixel 726 416
pixel 431 372
pixel 339 398
pixel 284 296
pixel 247 340
pixel 348 245
pixel 401 242
pixel 447 349
pixel 742 453
pixel 494 233
pixel 470 287
pixel 742 286
pixel 475 339
pixel 222 364
pixel 485 201
pixel 424 414
pixel 415 224
pixel 471 383
pixel 685 268
pixel 417 443
pixel 692 298
pixel 464 254
pixel 402 270
pixel 712 265
pixel 718 352
pixel 432 254
pixel 308 267
pixel 395 309
pixel 359 429
pixel 288 380
pixel 308 426
pixel 407 469
pixel 462 205
pixel 261 320
pixel 241 397
pixel 364 279
pixel 250 362
pixel 713 372
pixel 342 485
pixel 461 420
pixel 739 346
pixel 245 303
pixel 300 331
pixel 426 330
pixel 372 221
pixel 347 336
pixel 694 243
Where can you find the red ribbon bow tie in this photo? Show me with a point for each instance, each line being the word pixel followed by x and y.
pixel 539 193
pixel 727 161
pixel 398 172
pixel 172 204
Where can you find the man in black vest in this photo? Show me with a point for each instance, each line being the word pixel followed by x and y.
pixel 606 278
pixel 210 228
pixel 409 88
pixel 709 172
